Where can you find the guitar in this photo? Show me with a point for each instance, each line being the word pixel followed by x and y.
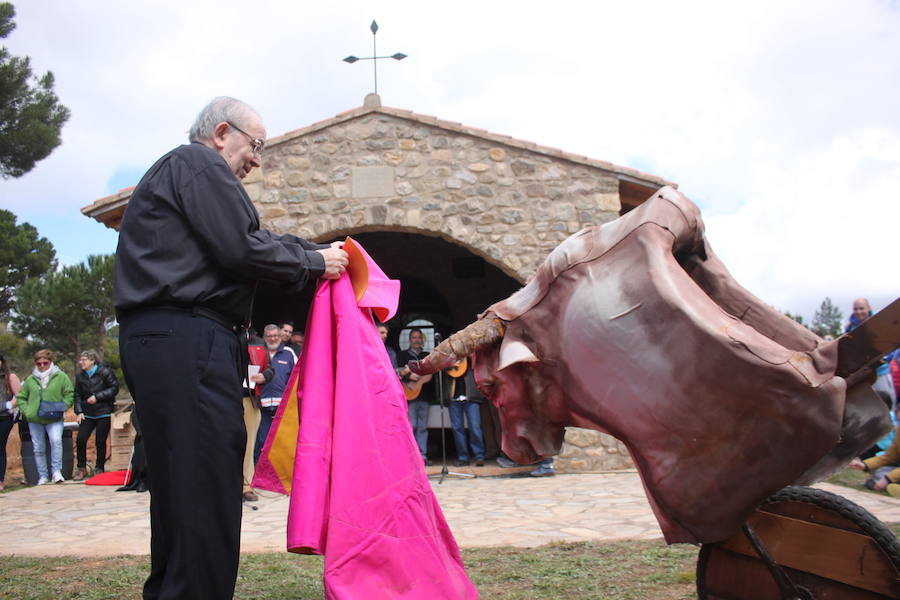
pixel 412 389
pixel 459 369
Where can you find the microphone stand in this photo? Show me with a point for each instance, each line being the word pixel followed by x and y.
pixel 440 390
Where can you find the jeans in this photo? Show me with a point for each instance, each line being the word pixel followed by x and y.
pixel 266 418
pixel 418 418
pixel 54 431
pixel 472 412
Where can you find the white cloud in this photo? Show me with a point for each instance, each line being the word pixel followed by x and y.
pixel 779 119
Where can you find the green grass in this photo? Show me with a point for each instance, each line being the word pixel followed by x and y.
pixel 627 570
pixel 852 479
pixel 632 570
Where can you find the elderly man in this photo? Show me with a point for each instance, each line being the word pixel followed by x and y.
pixel 273 381
pixel 190 253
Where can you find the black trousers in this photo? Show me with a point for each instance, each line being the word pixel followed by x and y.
pixel 6 425
pixel 87 427
pixel 138 456
pixel 183 372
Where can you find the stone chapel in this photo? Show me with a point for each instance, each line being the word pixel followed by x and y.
pixel 461 216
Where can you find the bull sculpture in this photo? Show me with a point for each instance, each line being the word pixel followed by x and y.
pixel 635 328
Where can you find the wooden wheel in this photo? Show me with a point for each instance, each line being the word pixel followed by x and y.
pixel 829 548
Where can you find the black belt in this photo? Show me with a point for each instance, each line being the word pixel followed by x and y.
pixel 192 310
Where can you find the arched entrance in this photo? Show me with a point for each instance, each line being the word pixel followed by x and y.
pixel 441 282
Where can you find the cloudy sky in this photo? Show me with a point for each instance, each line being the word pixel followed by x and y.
pixel 780 119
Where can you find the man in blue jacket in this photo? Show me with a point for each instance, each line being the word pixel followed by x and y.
pixel 273 380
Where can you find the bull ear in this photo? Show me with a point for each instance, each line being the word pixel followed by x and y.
pixel 514 351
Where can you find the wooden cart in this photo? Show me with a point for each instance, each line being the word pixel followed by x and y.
pixel 804 544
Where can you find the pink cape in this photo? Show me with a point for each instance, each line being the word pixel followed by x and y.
pixel 342 447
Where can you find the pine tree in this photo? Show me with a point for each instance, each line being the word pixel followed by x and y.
pixel 827 320
pixel 31 117
pixel 68 310
pixel 23 255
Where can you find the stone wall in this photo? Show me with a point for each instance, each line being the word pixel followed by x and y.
pixel 589 451
pixel 379 172
pixel 506 202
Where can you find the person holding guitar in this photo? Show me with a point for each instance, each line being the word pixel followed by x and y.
pixel 419 391
pixel 465 408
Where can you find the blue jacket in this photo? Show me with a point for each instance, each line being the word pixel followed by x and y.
pixel 278 372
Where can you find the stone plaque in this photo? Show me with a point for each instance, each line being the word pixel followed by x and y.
pixel 373 182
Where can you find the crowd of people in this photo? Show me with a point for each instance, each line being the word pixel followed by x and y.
pixel 272 358
pixel 96 387
pixel 881 461
pixel 462 398
pixel 40 402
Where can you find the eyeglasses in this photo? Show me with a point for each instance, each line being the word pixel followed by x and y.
pixel 256 144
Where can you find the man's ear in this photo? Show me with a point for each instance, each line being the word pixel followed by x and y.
pixel 218 135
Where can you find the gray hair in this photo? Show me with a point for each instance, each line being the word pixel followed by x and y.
pixel 222 108
pixel 91 355
pixel 271 327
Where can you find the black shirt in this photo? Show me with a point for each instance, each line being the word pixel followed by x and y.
pixel 190 237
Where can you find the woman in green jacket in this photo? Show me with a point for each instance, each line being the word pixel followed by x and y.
pixel 53 385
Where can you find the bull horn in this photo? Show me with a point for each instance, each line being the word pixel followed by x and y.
pixel 483 332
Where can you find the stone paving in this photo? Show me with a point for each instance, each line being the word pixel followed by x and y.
pixel 83 520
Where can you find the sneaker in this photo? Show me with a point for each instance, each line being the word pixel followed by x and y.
pixel 57 477
pixel 250 496
pixel 505 463
pixel 462 463
pixel 78 475
pixel 479 462
pixel 543 472
pixel 98 470
pixel 43 481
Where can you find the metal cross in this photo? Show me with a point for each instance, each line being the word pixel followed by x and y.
pixel 374 58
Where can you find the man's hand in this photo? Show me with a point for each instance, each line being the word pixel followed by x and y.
pixel 92 400
pixel 335 261
pixel 79 418
pixel 258 378
pixel 857 464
